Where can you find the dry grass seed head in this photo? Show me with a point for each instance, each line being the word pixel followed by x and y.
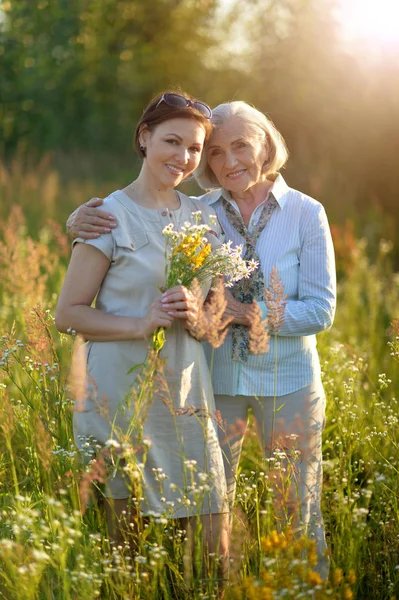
pixel 234 430
pixel 43 444
pixel 25 264
pixel 6 413
pixel 40 340
pixel 394 327
pixel 212 324
pixel 149 382
pixel 258 334
pixel 275 301
pixel 163 389
pixel 62 245
pixel 196 290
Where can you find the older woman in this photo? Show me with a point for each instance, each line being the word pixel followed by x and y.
pixel 287 230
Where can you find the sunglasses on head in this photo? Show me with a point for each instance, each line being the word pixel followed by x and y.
pixel 177 101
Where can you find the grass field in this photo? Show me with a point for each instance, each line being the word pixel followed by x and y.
pixel 54 546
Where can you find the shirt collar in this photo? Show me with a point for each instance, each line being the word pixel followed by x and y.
pixel 279 190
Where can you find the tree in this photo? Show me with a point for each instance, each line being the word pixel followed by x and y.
pixel 77 73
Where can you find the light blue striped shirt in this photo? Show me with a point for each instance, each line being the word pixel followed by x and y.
pixel 297 240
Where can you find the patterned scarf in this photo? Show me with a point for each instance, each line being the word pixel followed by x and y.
pixel 252 288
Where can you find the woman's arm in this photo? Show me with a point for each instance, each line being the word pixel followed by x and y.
pixel 86 271
pixel 314 309
pixel 88 221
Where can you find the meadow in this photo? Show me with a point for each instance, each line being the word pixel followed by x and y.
pixel 53 542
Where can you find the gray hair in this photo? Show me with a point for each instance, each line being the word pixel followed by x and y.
pixel 261 126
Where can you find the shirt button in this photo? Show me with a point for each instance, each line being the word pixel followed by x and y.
pixel 164 213
pixel 132 245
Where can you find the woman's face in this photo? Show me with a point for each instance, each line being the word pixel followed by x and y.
pixel 173 150
pixel 236 155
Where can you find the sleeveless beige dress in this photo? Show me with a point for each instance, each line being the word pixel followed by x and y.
pixel 181 429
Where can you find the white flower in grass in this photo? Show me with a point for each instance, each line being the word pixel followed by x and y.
pixel 112 444
pixel 204 488
pixel 7 543
pixel 23 570
pixel 190 464
pixel 40 555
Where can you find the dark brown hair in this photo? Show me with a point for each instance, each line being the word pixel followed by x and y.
pixel 154 115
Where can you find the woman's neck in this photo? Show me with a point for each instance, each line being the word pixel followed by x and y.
pixel 249 199
pixel 254 195
pixel 146 192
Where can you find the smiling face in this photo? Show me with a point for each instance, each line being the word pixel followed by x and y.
pixel 236 155
pixel 173 150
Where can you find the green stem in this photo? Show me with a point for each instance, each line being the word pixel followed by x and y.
pixel 13 469
pixel 274 391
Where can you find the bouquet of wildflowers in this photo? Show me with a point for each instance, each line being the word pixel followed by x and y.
pixel 190 256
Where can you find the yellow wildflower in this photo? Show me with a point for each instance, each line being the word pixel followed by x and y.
pixel 314 578
pixel 267 545
pixel 266 594
pixel 312 554
pixel 351 577
pixel 337 577
pixel 203 255
pixel 348 594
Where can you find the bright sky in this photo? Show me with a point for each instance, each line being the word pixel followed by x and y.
pixel 371 25
pixel 373 21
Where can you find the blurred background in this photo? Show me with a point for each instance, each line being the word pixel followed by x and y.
pixel 76 74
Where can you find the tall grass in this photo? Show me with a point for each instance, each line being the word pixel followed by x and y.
pixel 53 540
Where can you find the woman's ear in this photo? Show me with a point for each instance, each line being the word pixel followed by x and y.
pixel 266 162
pixel 144 135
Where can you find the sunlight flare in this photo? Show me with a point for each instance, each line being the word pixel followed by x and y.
pixel 373 21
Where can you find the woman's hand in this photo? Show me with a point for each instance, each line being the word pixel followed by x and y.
pixel 156 317
pixel 238 312
pixel 180 303
pixel 88 221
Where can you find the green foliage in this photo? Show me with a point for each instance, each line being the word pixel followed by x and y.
pixel 76 74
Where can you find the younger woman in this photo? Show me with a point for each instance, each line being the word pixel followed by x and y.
pixel 124 270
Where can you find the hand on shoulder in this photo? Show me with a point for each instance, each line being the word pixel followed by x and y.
pixel 88 221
